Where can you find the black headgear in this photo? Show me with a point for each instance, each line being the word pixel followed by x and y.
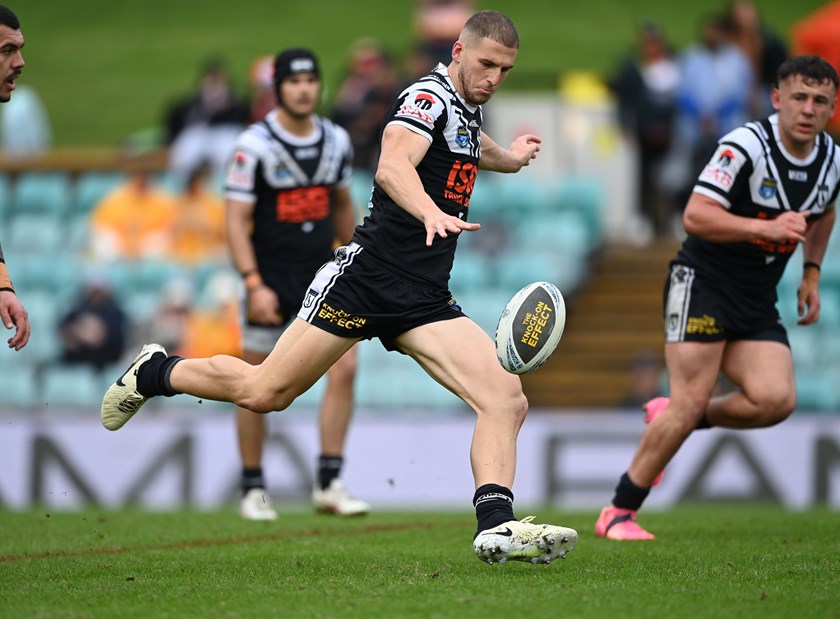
pixel 293 61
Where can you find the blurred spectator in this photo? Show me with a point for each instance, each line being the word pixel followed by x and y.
pixel 716 83
pixel 187 327
pixel 198 228
pixel 646 377
pixel 764 49
pixel 819 34
pixel 167 324
pixel 134 220
pixel 203 126
pixel 261 78
pixel 94 330
pixel 24 123
pixel 363 98
pixel 645 86
pixel 438 24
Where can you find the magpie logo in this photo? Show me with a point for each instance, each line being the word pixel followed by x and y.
pixel 424 101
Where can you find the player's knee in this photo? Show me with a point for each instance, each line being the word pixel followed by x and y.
pixel 780 405
pixel 343 373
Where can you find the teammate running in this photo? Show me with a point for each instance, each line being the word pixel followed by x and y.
pixel 770 186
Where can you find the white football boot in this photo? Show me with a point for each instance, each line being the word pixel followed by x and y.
pixel 122 400
pixel 256 505
pixel 519 540
pixel 336 499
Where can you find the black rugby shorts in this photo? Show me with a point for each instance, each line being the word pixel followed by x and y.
pixel 356 296
pixel 698 309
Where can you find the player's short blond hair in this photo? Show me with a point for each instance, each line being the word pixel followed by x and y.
pixel 491 25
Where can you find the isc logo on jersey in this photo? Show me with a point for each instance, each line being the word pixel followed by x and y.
pixel 530 327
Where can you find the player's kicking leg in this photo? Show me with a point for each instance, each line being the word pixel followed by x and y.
pixel 302 355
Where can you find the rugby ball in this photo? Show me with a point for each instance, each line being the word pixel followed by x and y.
pixel 530 327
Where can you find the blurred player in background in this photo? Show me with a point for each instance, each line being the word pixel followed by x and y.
pixel 12 312
pixel 391 282
pixel 770 185
pixel 287 200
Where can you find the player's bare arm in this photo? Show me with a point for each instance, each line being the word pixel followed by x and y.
pixel 344 215
pixel 813 251
pixel 498 159
pixel 709 219
pixel 402 150
pixel 263 305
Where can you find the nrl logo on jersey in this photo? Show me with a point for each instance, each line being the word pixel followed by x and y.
pixel 798 175
pixel 463 137
pixel 767 189
pixel 822 195
pixel 280 170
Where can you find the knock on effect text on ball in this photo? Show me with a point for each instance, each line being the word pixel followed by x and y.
pixel 534 324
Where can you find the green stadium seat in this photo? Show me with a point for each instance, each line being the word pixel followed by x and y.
pixel 91 187
pixel 42 192
pixel 71 386
pixel 471 270
pixel 34 233
pixel 18 385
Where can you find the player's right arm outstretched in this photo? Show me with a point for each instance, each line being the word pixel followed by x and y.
pixel 402 150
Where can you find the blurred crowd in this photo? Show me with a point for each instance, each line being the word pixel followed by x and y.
pixel 671 104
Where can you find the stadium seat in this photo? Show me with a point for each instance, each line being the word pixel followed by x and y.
pixel 518 268
pixel 565 231
pixel 18 386
pixel 42 193
pixel 91 187
pixel 58 274
pixel 471 270
pixel 485 306
pixel 5 198
pixel 34 233
pixel 817 391
pixel 71 385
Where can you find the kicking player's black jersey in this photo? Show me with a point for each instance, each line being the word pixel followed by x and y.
pixel 290 182
pixel 430 107
pixel 752 175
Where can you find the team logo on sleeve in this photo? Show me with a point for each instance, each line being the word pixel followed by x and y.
pixel 767 189
pixel 723 167
pixel 424 101
pixel 421 105
pixel 240 172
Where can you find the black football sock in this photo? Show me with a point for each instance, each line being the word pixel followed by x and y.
pixel 153 376
pixel 329 467
pixel 628 495
pixel 493 506
pixel 252 478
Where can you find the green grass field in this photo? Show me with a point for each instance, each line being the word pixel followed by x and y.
pixel 736 561
pixel 107 69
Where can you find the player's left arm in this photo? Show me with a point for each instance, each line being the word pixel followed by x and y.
pixel 344 215
pixel 497 159
pixel 813 252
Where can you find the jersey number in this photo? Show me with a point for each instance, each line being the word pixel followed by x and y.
pixel 303 204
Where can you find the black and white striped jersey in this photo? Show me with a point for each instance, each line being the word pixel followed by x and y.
pixel 430 107
pixel 290 182
pixel 752 175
